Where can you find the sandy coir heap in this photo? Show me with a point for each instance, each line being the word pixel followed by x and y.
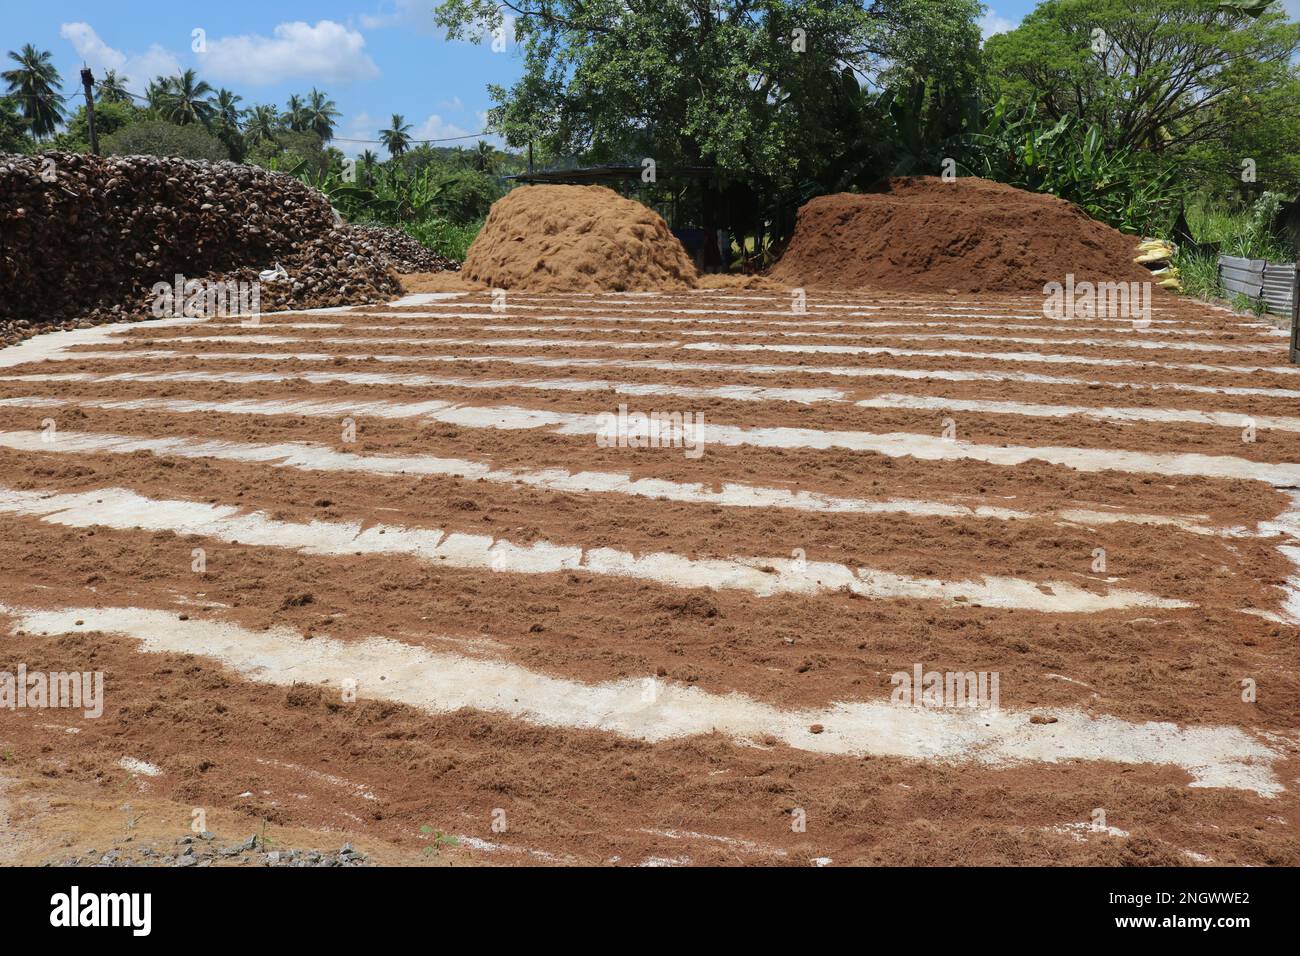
pixel 922 234
pixel 577 239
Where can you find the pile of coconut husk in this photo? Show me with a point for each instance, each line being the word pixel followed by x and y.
pixel 403 252
pixel 84 239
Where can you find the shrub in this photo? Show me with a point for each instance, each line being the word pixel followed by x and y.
pixel 160 138
pixel 303 153
pixel 466 197
pixel 443 237
pixel 13 131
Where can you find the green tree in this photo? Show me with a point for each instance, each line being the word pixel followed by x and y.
pixel 741 86
pixel 13 128
pixel 397 138
pixel 227 117
pixel 295 114
pixel 188 100
pixel 109 118
pixel 111 89
pixel 164 138
pixel 35 84
pixel 367 162
pixel 1160 75
pixel 290 151
pixel 319 115
pixel 158 92
pixel 484 157
pixel 263 125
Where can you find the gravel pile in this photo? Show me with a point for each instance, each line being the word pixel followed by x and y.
pixel 404 252
pixel 83 239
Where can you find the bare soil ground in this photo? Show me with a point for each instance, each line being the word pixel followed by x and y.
pixel 367 575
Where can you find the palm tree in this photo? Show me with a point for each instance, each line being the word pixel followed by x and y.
pixel 35 84
pixel 319 115
pixel 263 123
pixel 112 90
pixel 227 107
pixel 228 115
pixel 295 114
pixel 158 92
pixel 368 161
pixel 187 100
pixel 484 157
pixel 396 138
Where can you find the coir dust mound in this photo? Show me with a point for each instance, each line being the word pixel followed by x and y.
pixel 576 239
pixel 922 234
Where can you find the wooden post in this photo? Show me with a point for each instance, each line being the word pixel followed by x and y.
pixel 530 156
pixel 88 82
pixel 1295 313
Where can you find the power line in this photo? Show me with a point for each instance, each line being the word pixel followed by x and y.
pixel 380 142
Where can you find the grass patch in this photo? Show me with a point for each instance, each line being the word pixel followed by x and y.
pixel 443 237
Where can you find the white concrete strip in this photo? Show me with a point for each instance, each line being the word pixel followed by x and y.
pixel 256 339
pixel 1034 357
pixel 814 309
pixel 439 683
pixel 415 300
pixel 738 393
pixel 1287 527
pixel 893 444
pixel 314 457
pixel 121 509
pixel 793 323
pixel 1039 357
pixel 1127 343
pixel 841 371
pixel 51 344
pixel 994 329
pixel 259 339
pixel 1234 420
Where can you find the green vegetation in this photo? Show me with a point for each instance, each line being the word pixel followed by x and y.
pixel 153 137
pixel 443 237
pixel 1136 110
pixel 1247 233
pixel 439 195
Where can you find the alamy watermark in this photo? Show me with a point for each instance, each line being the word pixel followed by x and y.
pixel 1097 300
pixel 938 689
pixel 200 299
pixel 624 429
pixel 38 690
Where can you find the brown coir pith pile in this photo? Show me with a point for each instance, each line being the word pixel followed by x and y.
pixel 577 239
pixel 923 234
pixel 84 239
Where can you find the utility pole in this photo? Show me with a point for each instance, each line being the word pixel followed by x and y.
pixel 88 81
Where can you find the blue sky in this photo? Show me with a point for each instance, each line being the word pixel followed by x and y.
pixel 373 57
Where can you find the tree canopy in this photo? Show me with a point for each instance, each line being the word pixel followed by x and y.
pixel 743 86
pixel 1156 74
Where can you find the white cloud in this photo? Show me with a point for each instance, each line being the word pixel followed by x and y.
pixel 137 69
pixel 436 128
pixel 326 52
pixel 402 13
pixel 992 23
pixel 454 104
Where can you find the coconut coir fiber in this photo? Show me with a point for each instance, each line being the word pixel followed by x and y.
pixel 576 239
pixel 922 234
